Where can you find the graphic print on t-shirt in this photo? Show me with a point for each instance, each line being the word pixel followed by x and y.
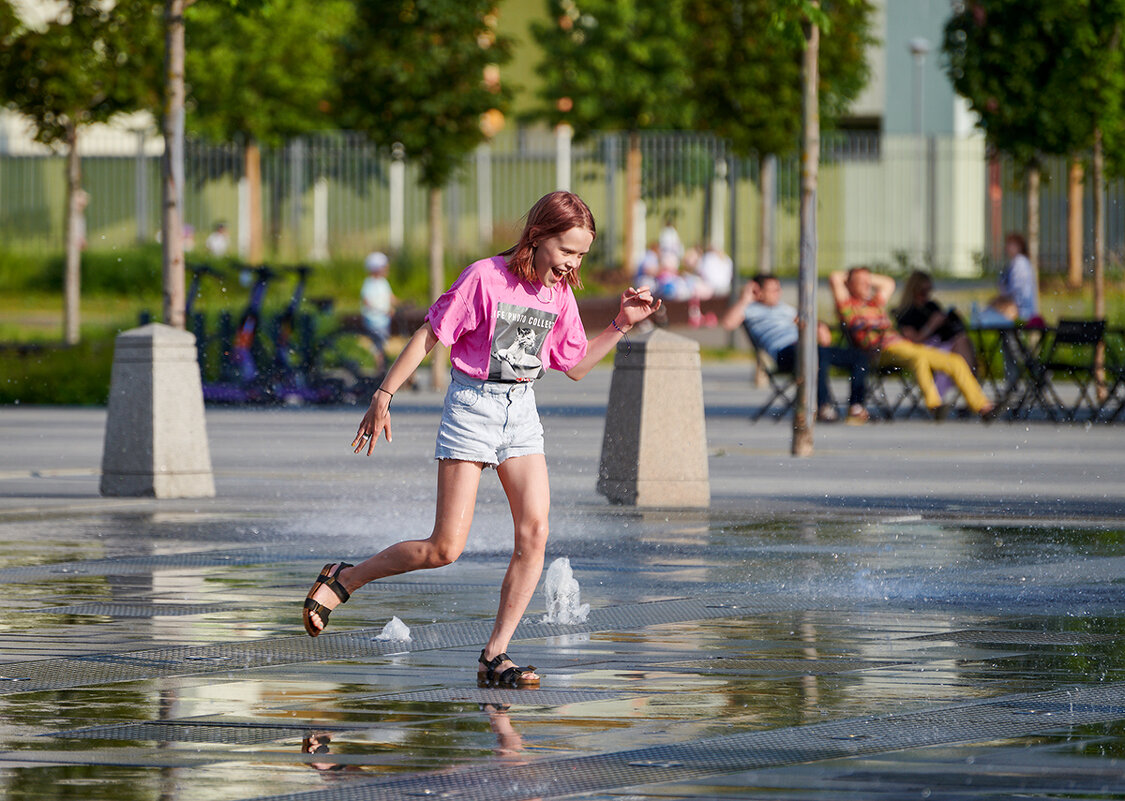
pixel 517 342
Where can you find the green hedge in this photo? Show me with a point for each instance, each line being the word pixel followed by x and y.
pixel 126 271
pixel 56 374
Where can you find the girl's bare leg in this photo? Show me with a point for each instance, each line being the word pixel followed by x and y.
pixel 524 479
pixel 456 496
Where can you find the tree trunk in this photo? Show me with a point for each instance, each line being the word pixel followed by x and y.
pixel 173 184
pixel 438 357
pixel 74 228
pixel 1099 258
pixel 804 409
pixel 767 216
pixel 1033 229
pixel 632 198
pixel 995 207
pixel 253 160
pixel 1074 224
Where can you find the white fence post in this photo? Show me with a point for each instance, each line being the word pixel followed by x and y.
pixel 397 179
pixel 563 136
pixel 319 250
pixel 718 205
pixel 484 195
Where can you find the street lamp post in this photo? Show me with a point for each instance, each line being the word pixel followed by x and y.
pixel 919 47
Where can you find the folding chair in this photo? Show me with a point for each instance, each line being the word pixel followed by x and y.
pixel 1108 412
pixel 1069 352
pixel 782 385
pixel 909 396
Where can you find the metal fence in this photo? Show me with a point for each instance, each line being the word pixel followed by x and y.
pixel 883 199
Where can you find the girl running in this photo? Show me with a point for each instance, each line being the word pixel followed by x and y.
pixel 505 319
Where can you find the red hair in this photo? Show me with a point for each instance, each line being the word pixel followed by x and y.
pixel 553 214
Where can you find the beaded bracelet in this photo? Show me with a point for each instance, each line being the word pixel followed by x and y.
pixel 628 344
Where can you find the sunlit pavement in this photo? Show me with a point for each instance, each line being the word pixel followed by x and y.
pixel 920 610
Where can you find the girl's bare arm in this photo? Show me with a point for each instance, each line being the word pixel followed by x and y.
pixel 636 305
pixel 377 419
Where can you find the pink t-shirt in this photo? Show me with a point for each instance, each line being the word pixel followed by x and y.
pixel 501 328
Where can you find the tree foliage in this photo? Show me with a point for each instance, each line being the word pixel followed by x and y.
pixel 419 72
pixel 264 71
pixel 1041 74
pixel 616 64
pixel 746 63
pixel 83 67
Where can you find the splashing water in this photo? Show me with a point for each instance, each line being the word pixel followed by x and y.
pixel 395 630
pixel 561 589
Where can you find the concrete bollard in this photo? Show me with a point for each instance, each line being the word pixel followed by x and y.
pixel 155 433
pixel 654 452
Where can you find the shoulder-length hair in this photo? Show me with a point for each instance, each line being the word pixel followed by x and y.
pixel 917 279
pixel 553 214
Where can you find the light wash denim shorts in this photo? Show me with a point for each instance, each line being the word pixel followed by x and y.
pixel 488 421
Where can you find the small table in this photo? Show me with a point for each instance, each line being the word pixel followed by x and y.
pixel 1022 386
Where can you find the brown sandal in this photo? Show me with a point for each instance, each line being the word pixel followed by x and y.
pixel 512 677
pixel 328 578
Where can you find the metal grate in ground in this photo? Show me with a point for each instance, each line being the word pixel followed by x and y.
pixel 235 557
pixel 806 667
pixel 492 695
pixel 129 566
pixel 255 732
pixel 136 610
pixel 56 674
pixel 1016 637
pixel 1001 718
pixel 203 731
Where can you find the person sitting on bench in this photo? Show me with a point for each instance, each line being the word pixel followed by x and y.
pixel 772 325
pixel 861 301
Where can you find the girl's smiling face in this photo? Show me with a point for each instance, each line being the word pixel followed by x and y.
pixel 558 256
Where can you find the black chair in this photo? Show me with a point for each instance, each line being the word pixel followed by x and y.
pixel 909 396
pixel 782 385
pixel 1068 352
pixel 1113 405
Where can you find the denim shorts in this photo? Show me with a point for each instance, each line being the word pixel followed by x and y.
pixel 488 421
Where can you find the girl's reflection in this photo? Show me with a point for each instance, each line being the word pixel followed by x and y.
pixel 508 750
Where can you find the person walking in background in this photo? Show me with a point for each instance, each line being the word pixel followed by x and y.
pixel 861 301
pixel 217 242
pixel 377 298
pixel 505 319
pixel 669 241
pixel 1017 279
pixel 772 324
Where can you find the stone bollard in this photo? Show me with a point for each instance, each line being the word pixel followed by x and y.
pixel 155 432
pixel 654 452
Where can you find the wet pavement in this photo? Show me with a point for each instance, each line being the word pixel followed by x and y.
pixel 919 611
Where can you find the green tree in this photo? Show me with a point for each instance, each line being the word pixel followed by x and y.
pixel 421 73
pixel 260 74
pixel 1000 59
pixel 800 24
pixel 621 65
pixel 748 79
pixel 83 67
pixel 747 69
pixel 1046 78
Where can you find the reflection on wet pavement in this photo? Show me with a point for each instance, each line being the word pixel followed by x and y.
pixel 157 658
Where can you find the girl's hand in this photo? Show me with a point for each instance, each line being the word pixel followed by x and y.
pixel 375 421
pixel 636 305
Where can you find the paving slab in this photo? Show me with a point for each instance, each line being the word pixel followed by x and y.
pixel 919 610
